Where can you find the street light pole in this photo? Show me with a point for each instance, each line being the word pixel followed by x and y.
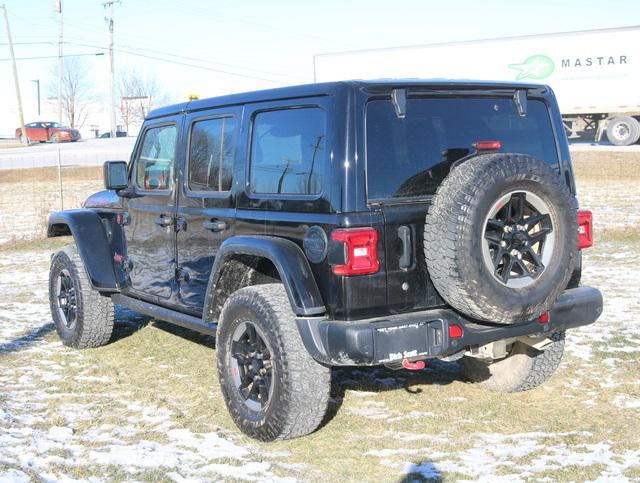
pixel 23 131
pixel 37 81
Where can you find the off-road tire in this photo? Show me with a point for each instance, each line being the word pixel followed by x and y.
pixel 95 313
pixel 301 385
pixel 524 368
pixel 453 236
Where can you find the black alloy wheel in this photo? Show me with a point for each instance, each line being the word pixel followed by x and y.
pixel 251 366
pixel 66 297
pixel 516 242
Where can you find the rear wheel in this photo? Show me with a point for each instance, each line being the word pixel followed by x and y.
pixel 525 367
pixel 83 318
pixel 272 387
pixel 623 131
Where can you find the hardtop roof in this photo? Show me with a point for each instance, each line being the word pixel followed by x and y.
pixel 331 88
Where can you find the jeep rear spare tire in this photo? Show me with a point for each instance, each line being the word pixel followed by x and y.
pixel 500 237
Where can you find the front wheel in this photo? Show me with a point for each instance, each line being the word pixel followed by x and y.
pixel 524 368
pixel 82 316
pixel 272 387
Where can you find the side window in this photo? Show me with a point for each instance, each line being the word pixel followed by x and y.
pixel 211 155
pixel 288 152
pixel 154 166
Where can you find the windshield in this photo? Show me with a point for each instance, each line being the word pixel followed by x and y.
pixel 410 157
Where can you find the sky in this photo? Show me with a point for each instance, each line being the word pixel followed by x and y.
pixel 210 48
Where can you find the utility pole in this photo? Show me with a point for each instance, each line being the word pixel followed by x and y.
pixel 24 138
pixel 112 90
pixel 60 62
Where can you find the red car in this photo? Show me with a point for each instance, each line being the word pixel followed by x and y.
pixel 49 131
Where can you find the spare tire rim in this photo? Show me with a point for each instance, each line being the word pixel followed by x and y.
pixel 251 366
pixel 516 242
pixel 66 297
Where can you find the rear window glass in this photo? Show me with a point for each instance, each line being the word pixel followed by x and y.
pixel 410 157
pixel 288 152
pixel 211 155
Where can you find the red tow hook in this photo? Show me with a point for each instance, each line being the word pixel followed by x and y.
pixel 413 366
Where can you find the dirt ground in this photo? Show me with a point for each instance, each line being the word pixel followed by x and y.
pixel 148 406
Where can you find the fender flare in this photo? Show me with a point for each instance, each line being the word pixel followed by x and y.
pixel 290 262
pixel 91 241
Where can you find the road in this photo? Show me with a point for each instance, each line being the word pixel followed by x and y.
pixel 89 152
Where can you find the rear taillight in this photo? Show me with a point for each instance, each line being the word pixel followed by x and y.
pixel 361 253
pixel 585 229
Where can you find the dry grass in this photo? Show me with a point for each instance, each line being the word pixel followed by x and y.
pixel 386 425
pixel 69 174
pixel 606 165
pixel 27 196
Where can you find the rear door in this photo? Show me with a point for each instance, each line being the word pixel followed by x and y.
pixel 206 205
pixel 150 232
pixel 408 158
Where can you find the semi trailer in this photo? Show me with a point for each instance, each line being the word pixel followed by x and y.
pixel 595 74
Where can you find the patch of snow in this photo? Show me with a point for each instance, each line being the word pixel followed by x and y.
pixel 14 476
pixel 624 401
pixel 59 433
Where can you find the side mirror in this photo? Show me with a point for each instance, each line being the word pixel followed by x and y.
pixel 115 175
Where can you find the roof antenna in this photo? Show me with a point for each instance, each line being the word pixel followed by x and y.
pixel 399 99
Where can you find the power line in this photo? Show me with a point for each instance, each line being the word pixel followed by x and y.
pixel 130 50
pixel 51 56
pixel 180 63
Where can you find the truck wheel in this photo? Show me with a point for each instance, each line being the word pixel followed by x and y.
pixel 500 237
pixel 623 131
pixel 524 368
pixel 272 387
pixel 82 316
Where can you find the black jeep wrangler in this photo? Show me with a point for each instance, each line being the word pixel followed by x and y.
pixel 348 223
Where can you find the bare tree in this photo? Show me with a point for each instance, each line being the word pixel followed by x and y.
pixel 139 94
pixel 77 95
pixel 127 102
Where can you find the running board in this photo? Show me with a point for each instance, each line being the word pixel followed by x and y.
pixel 168 315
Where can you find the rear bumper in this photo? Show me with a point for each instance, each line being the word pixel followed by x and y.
pixel 420 335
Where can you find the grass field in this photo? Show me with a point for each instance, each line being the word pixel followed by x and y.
pixel 148 406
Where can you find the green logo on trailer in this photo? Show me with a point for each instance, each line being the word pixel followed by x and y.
pixel 535 67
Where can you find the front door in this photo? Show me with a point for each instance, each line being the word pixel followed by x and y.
pixel 206 205
pixel 150 232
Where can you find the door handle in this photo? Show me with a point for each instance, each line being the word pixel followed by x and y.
pixel 164 221
pixel 214 225
pixel 404 233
